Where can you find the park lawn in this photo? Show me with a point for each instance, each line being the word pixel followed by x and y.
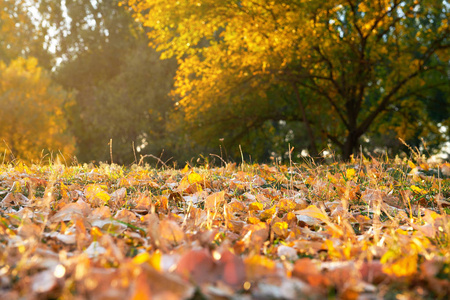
pixel 362 229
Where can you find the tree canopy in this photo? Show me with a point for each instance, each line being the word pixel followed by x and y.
pixel 31 116
pixel 121 87
pixel 346 67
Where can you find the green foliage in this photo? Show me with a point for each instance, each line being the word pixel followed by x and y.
pixel 121 86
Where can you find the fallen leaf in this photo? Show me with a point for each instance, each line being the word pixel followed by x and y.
pixel 199 266
pixel 94 250
pixel 214 201
pixel 170 232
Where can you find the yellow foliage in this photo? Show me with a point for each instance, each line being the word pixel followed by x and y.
pixel 403 266
pixel 31 117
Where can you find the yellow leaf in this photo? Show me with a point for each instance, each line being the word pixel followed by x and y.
pixel 253 220
pixel 258 265
pixel 186 169
pixel 286 205
pixel 268 213
pixel 280 229
pixel 425 166
pixel 418 190
pixel 194 178
pixel 350 173
pixel 141 258
pixel 155 260
pixel 331 178
pixel 401 231
pixel 96 232
pixel 314 212
pixel 411 164
pixel 255 206
pixel 332 251
pixel 403 266
pixel 95 193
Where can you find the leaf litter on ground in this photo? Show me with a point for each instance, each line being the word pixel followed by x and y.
pixel 358 230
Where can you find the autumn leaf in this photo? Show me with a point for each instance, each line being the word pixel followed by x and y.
pixel 418 190
pixel 162 243
pixel 199 266
pixel 96 195
pixel 214 201
pixel 255 206
pixel 258 266
pixel 405 265
pixel 313 212
pixel 268 213
pixel 280 229
pixel 170 232
pixel 141 288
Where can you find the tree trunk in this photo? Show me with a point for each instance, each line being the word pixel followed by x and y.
pixel 312 139
pixel 350 145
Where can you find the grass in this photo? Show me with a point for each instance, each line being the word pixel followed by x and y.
pixel 366 228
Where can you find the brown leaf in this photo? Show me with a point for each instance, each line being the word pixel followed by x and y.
pixel 256 234
pixel 126 216
pixel 119 195
pixel 306 270
pixel 170 232
pixel 372 272
pixel 167 285
pixel 235 226
pixel 29 230
pixel 141 288
pixel 71 211
pixel 214 201
pixel 199 266
pixel 12 199
pixel 232 269
pixel 102 212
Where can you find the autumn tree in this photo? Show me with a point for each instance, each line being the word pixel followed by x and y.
pixel 31 116
pixel 350 65
pixel 20 33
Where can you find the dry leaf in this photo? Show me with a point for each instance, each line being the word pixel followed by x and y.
pixel 170 232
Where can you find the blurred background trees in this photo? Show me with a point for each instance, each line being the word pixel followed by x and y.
pixel 121 87
pixel 261 75
pixel 31 117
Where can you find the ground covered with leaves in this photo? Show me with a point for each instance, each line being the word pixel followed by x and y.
pixel 361 230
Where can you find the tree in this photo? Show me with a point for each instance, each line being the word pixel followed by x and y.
pixel 31 118
pixel 121 86
pixel 348 64
pixel 20 34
